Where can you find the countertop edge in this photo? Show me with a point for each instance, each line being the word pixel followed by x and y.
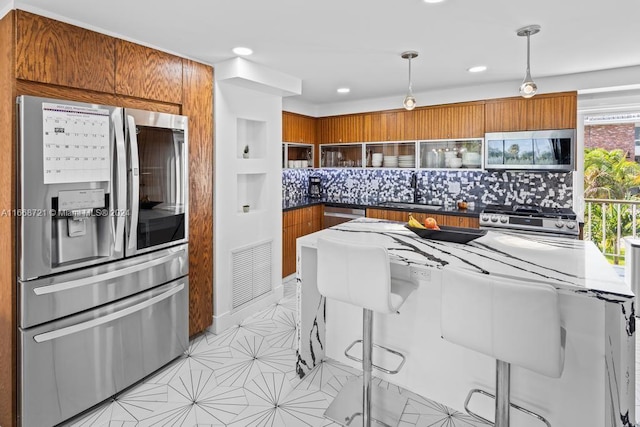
pixel 474 213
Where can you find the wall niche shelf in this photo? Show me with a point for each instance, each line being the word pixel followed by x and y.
pixel 251 190
pixel 251 134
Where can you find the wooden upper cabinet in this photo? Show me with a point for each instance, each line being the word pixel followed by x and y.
pixel 547 111
pixel 53 52
pixel 384 126
pixel 553 112
pixel 451 121
pixel 506 115
pixel 147 73
pixel 340 129
pixel 298 128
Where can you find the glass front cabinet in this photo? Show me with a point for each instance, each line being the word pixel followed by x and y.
pixel 341 155
pixel 297 155
pixel 451 154
pixel 390 154
pixel 436 154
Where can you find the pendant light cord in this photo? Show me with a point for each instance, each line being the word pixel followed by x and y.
pixel 410 91
pixel 528 53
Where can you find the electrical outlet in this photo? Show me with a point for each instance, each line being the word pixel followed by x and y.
pixel 420 274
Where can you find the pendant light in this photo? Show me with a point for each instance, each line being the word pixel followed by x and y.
pixel 528 88
pixel 409 100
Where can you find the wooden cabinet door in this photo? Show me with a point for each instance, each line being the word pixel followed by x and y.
pixel 352 128
pixel 289 236
pixel 464 121
pixel 298 128
pixel 198 105
pixel 461 221
pixel 409 123
pixel 148 73
pixel 425 123
pixel 506 115
pixel 327 130
pixel 451 121
pixel 307 220
pixel 391 126
pixel 548 111
pixel 317 217
pixel 53 52
pixel 297 223
pixel 340 129
pixel 556 112
pixel 383 126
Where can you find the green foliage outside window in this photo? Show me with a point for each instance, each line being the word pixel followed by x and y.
pixel 609 175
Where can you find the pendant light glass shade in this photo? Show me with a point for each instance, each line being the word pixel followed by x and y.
pixel 409 100
pixel 528 88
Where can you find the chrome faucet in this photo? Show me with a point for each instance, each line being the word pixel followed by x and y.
pixel 414 185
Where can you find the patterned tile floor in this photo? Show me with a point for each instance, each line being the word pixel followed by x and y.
pixel 244 377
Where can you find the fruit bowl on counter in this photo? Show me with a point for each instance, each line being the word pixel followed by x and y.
pixel 432 231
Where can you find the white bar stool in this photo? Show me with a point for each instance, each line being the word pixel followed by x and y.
pixel 516 323
pixel 359 274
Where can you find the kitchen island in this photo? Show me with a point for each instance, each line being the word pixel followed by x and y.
pixel 597 387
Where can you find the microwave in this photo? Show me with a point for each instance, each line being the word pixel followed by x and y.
pixel 543 150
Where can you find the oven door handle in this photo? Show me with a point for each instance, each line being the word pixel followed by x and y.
pixel 51 289
pixel 135 182
pixel 69 330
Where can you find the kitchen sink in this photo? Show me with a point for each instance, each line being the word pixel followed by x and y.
pixel 412 206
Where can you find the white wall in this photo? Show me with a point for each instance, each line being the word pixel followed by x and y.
pixel 5 7
pixel 579 81
pixel 234 229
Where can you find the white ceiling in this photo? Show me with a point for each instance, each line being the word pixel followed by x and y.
pixel 357 43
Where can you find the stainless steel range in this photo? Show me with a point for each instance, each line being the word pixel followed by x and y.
pixel 530 219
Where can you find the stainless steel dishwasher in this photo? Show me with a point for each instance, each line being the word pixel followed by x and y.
pixel 336 215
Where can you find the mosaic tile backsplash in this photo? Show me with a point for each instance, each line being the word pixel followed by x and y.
pixel 553 189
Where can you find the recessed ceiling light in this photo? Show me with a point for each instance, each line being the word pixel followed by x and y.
pixel 344 90
pixel 242 51
pixel 433 1
pixel 477 69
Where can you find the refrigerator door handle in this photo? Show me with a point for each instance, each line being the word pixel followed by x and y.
pixel 50 289
pixel 59 333
pixel 121 170
pixel 135 182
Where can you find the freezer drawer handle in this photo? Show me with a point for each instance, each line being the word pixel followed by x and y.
pixel 48 336
pixel 91 280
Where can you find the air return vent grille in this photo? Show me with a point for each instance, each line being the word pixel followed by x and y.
pixel 251 273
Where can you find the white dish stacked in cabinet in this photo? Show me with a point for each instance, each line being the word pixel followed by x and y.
pixel 407 161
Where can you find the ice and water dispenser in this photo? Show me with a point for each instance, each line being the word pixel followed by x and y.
pixel 81 226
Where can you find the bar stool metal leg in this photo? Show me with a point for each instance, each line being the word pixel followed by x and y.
pixel 503 373
pixel 367 348
pixel 502 399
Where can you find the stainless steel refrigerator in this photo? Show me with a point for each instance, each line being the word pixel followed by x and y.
pixel 102 252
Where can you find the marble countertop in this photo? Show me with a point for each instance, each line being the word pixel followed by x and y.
pixel 571 266
pixel 377 204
